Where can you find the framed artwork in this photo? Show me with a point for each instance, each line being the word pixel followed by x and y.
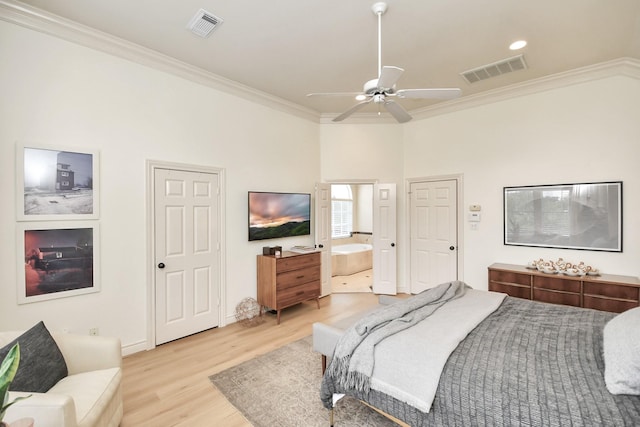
pixel 56 184
pixel 57 259
pixel 568 216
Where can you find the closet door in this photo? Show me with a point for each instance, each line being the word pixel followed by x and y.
pixel 187 248
pixel 433 234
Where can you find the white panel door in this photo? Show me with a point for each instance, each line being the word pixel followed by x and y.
pixel 187 253
pixel 323 234
pixel 384 239
pixel 433 211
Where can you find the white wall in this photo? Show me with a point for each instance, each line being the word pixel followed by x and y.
pixel 581 133
pixel 369 152
pixel 59 93
pixel 364 214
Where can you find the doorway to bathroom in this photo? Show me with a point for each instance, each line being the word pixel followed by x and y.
pixel 351 237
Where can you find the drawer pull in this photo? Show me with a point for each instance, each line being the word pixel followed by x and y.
pixel 300 277
pixel 300 293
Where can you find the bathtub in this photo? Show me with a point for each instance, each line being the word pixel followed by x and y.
pixel 351 258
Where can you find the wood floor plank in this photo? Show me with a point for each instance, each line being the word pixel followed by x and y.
pixel 170 385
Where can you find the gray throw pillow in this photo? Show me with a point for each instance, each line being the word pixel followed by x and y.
pixel 41 362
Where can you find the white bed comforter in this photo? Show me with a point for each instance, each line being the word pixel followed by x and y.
pixel 408 364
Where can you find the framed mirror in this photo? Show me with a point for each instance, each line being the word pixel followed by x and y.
pixel 569 216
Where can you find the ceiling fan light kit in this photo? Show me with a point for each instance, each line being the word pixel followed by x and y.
pixel 380 90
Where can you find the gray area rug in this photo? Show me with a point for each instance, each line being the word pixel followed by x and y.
pixel 282 388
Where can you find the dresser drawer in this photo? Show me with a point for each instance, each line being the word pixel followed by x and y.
pixel 512 290
pixel 296 262
pixel 292 278
pixel 611 290
pixel 509 277
pixel 556 297
pixel 556 283
pixel 295 294
pixel 607 304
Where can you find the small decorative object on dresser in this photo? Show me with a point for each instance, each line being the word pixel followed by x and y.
pixel 607 292
pixel 288 280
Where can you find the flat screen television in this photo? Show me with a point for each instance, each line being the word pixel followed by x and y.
pixel 277 215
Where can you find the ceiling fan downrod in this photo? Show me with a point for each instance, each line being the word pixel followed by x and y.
pixel 379 9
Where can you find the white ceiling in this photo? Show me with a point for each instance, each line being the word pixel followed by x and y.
pixel 288 48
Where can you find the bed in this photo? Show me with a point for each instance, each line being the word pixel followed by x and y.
pixel 527 363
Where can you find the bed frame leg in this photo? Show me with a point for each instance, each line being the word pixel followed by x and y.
pixel 331 417
pixel 324 364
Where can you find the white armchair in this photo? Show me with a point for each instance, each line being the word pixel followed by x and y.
pixel 90 396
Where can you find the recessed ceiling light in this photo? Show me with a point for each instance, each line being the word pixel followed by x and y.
pixel 518 44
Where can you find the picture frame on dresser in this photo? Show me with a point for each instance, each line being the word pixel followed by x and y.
pixel 56 183
pixel 585 216
pixel 57 259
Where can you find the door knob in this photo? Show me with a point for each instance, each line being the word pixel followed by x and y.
pixel 321 246
pixel 451 248
pixel 161 265
pixel 393 245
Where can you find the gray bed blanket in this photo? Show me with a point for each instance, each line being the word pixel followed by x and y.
pixel 353 358
pixel 527 364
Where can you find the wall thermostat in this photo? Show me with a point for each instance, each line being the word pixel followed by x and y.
pixel 474 216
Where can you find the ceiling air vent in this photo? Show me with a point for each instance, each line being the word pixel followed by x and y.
pixel 496 69
pixel 203 23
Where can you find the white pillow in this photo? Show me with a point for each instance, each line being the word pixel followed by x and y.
pixel 622 353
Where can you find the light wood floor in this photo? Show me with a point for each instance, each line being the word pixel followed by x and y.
pixel 169 386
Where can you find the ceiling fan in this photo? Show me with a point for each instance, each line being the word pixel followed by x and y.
pixel 381 90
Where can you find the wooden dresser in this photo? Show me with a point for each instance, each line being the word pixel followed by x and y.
pixel 288 280
pixel 607 292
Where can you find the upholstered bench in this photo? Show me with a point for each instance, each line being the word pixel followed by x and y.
pixel 326 335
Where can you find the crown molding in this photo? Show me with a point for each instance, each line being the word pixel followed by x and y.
pixel 629 67
pixel 38 20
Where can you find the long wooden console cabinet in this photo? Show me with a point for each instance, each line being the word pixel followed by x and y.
pixel 288 280
pixel 607 292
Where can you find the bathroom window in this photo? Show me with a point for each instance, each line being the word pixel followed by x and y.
pixel 341 211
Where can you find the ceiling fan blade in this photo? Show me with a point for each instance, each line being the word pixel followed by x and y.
pixel 397 111
pixel 352 110
pixel 351 94
pixel 443 93
pixel 389 76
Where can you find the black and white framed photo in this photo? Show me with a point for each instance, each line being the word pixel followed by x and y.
pixel 57 259
pixel 586 216
pixel 56 183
